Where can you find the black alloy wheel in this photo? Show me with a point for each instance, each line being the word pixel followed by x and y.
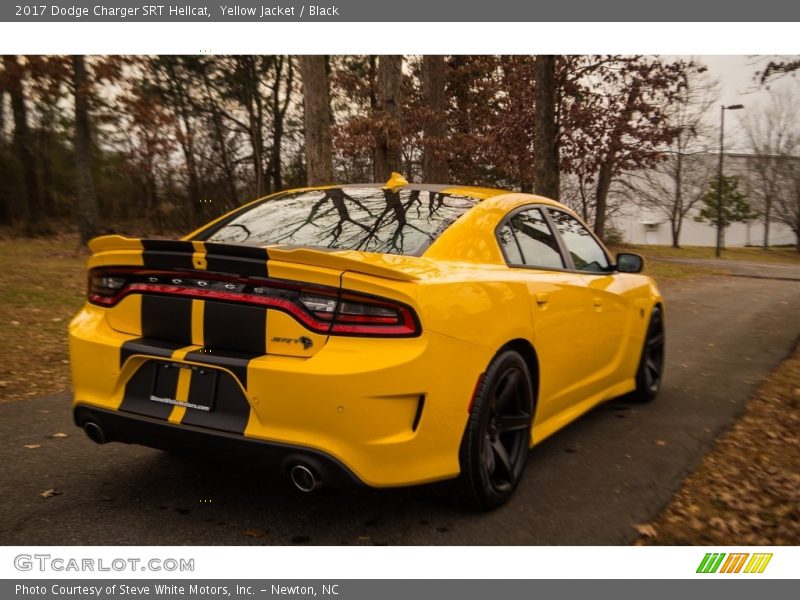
pixel 651 364
pixel 497 439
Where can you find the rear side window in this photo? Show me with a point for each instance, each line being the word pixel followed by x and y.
pixel 586 253
pixel 370 219
pixel 533 242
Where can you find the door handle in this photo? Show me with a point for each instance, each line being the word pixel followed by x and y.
pixel 542 299
pixel 598 302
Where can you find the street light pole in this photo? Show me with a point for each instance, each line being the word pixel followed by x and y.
pixel 720 221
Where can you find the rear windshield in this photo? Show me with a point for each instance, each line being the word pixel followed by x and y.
pixel 369 219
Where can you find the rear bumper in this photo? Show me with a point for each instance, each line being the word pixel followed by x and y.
pixel 391 411
pixel 274 457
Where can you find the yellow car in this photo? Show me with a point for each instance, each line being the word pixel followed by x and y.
pixel 389 334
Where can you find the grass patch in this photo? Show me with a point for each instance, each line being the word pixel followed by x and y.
pixel 747 490
pixel 782 255
pixel 663 271
pixel 42 284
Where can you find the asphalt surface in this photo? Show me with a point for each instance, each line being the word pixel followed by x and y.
pixel 589 484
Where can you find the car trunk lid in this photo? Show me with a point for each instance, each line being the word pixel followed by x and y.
pixel 232 297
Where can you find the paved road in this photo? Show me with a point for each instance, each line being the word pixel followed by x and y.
pixel 589 484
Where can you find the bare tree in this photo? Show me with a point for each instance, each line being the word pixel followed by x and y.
pixel 87 204
pixel 771 133
pixel 317 118
pixel 787 207
pixel 281 91
pixel 546 167
pixel 777 67
pixel 675 186
pixel 387 116
pixel 434 168
pixel 212 106
pixel 175 82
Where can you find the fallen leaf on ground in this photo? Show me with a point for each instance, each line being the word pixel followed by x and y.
pixel 50 493
pixel 661 443
pixel 58 435
pixel 646 530
pixel 254 533
pixel 32 446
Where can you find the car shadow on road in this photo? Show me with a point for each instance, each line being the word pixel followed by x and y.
pixel 224 501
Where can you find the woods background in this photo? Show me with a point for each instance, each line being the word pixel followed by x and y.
pixel 148 144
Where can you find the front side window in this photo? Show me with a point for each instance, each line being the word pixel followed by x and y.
pixel 586 253
pixel 536 246
pixel 349 218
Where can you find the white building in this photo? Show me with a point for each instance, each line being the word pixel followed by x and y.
pixel 639 223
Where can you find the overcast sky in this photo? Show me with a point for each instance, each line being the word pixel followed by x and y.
pixel 738 86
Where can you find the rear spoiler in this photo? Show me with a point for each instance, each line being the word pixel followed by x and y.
pixel 238 258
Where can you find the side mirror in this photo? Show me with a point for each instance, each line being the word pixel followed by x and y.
pixel 629 263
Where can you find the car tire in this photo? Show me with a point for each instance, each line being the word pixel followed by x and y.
pixel 496 442
pixel 649 374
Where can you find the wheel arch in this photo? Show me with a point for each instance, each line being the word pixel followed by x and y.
pixel 528 353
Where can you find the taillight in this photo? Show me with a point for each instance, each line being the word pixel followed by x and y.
pixel 359 314
pixel 321 309
pixel 104 289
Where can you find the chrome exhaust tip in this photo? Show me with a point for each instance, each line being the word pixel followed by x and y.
pixel 303 478
pixel 94 432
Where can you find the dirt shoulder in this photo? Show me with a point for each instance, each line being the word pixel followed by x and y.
pixel 747 489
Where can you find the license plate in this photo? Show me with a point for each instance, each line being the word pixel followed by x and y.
pixel 202 388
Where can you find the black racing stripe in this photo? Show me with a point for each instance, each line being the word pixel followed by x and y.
pixel 235 327
pixel 235 362
pixel 147 346
pixel 152 378
pixel 231 410
pixel 166 318
pixel 238 259
pixel 167 254
pixel 236 250
pixel 221 263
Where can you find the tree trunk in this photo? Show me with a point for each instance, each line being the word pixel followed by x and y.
pixel 45 150
pixel 546 175
pixel 677 208
pixel 87 205
pixel 23 147
pixel 606 173
pixel 279 109
pixel 767 216
pixel 676 225
pixel 251 99
pixel 222 146
pixel 317 120
pixel 387 116
pixel 601 196
pixel 526 175
pixel 185 137
pixel 434 130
